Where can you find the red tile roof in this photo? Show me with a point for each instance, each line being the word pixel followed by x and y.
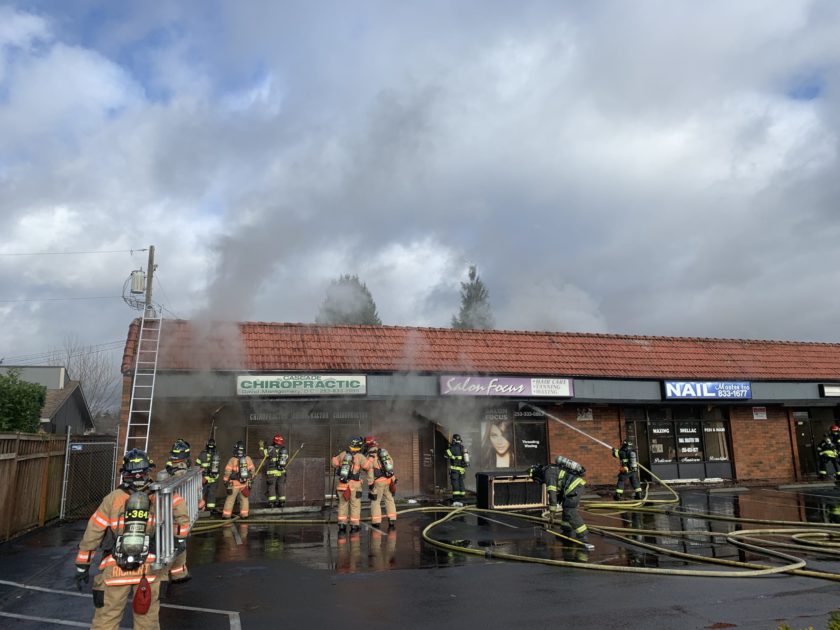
pixel 261 346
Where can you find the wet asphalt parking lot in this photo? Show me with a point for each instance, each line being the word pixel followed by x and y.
pixel 266 575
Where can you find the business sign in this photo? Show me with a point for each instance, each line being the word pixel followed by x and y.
pixel 505 386
pixel 829 391
pixel 759 413
pixel 301 385
pixel 705 390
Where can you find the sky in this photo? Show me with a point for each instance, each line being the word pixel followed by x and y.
pixel 649 168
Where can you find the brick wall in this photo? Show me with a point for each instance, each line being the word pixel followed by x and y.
pixel 605 425
pixel 762 449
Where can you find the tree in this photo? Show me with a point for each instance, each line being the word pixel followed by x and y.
pixel 348 301
pixel 475 305
pixel 20 403
pixel 95 369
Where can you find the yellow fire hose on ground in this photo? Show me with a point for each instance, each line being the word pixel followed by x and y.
pixel 805 539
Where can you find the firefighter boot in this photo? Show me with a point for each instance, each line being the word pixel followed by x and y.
pixel 354 529
pixel 342 528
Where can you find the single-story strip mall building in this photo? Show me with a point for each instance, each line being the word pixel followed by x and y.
pixel 744 410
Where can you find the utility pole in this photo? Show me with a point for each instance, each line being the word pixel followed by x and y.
pixel 150 310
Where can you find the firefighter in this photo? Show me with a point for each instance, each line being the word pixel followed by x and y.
pixel 179 457
pixel 211 465
pixel 178 464
pixel 124 523
pixel 564 481
pixel 239 474
pixel 349 465
pixel 834 433
pixel 276 457
pixel 382 485
pixel 628 461
pixel 828 452
pixel 459 459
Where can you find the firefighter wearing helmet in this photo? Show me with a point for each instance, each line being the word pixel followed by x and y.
pixel 238 477
pixel 179 457
pixel 564 483
pixel 828 453
pixel 211 469
pixel 628 462
pixel 178 464
pixel 382 484
pixel 459 459
pixel 276 457
pixel 123 525
pixel 349 465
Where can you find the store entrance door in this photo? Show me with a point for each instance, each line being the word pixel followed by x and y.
pixel 806 446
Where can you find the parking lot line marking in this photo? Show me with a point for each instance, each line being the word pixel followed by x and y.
pixel 232 615
pixel 60 622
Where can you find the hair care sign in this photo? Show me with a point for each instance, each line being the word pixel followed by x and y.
pixel 707 390
pixel 505 386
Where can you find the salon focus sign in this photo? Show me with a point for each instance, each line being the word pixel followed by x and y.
pixel 505 386
pixel 301 385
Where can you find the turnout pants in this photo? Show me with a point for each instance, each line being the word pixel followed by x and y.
pixel 633 477
pixel 456 477
pixel 353 506
pixel 209 492
pixel 178 571
pixel 109 616
pixel 381 491
pixel 572 523
pixel 236 491
pixel 829 468
pixel 275 486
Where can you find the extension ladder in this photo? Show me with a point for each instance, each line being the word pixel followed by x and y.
pixel 143 387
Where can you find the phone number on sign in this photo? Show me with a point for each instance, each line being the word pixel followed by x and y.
pixel 737 393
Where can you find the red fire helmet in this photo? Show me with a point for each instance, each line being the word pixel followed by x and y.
pixel 279 440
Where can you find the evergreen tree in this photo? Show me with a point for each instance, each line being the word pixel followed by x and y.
pixel 20 403
pixel 348 301
pixel 475 305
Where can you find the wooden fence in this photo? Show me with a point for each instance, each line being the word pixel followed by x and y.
pixel 31 479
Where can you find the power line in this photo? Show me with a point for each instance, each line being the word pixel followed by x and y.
pixel 48 353
pixel 101 251
pixel 157 279
pixel 97 297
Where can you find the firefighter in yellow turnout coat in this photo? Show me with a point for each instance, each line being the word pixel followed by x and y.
pixel 239 474
pixel 349 465
pixel 124 525
pixel 382 484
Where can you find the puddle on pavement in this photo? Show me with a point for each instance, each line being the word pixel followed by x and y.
pixel 320 548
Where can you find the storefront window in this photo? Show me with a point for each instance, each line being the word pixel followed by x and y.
pixel 714 437
pixel 508 443
pixel 531 447
pixel 689 447
pixel 662 446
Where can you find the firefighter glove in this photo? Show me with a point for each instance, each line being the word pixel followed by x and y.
pixel 624 469
pixel 82 575
pixel 261 443
pixel 554 508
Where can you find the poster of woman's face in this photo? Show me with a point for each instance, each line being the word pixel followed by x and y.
pixel 497 444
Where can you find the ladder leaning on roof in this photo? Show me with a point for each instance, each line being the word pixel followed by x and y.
pixel 143 388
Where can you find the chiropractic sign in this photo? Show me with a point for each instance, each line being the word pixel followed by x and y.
pixel 706 390
pixel 301 385
pixel 505 386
